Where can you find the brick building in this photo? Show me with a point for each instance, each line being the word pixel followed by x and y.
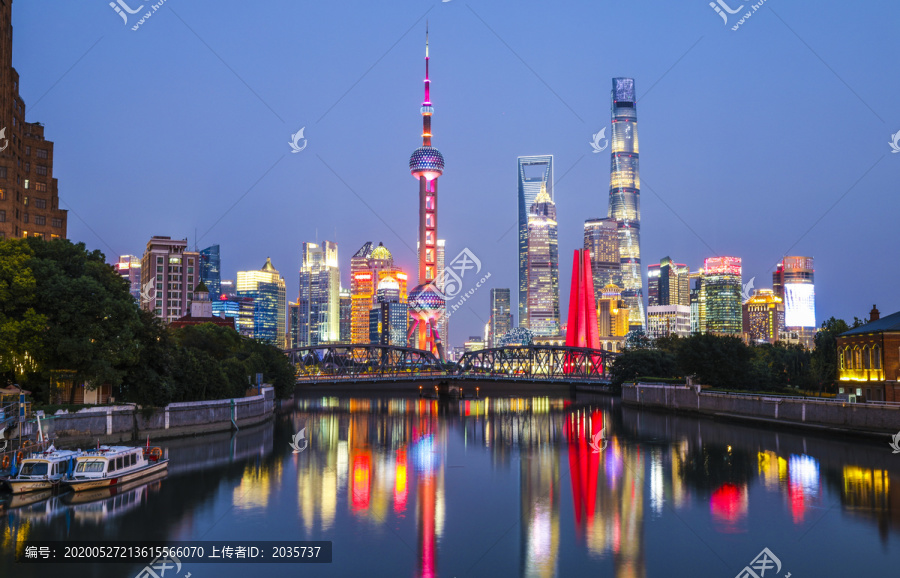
pixel 869 359
pixel 29 199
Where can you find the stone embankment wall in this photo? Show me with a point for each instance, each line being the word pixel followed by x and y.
pixel 833 415
pixel 111 424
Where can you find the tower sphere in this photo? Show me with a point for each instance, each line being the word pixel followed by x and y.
pixel 426 161
pixel 425 301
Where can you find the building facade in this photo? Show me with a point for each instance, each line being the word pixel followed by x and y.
pixel 542 300
pixel 29 194
pixel 601 240
pixel 501 316
pixel 129 267
pixel 368 267
pixel 667 320
pixel 345 313
pixel 240 309
pixel 210 269
pixel 320 286
pixel 613 319
pixel 721 312
pixel 624 195
pixel 169 273
pixel 388 320
pixel 535 173
pixel 869 359
pixel 797 289
pixel 763 317
pixel 668 283
pixel 267 289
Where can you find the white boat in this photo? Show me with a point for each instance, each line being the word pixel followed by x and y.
pixel 42 470
pixel 109 466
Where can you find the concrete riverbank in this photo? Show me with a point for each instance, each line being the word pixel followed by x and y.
pixel 126 423
pixel 862 418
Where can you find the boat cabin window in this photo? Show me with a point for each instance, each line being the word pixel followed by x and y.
pixel 112 466
pixel 90 466
pixel 133 459
pixel 119 463
pixel 34 469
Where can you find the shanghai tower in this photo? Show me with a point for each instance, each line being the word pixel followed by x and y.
pixel 625 196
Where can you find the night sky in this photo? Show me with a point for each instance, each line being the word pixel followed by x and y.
pixel 760 142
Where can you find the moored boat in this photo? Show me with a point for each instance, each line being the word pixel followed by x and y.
pixel 109 466
pixel 42 470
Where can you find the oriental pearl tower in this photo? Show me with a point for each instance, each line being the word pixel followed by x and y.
pixel 426 303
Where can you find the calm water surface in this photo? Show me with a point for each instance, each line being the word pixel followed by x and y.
pixel 500 486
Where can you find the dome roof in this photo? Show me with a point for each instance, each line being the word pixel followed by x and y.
pixel 427 162
pixel 380 252
pixel 425 301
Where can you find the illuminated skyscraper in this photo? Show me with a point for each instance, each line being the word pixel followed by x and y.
pixel 346 309
pixel 668 283
pixel 799 296
pixel 501 316
pixel 210 265
pixel 624 195
pixel 388 319
pixel 426 164
pixel 601 239
pixel 535 174
pixel 443 324
pixel 695 283
pixel 543 267
pixel 721 295
pixel 320 290
pixel 266 288
pixel 764 317
pixel 129 267
pixel 612 314
pixel 368 267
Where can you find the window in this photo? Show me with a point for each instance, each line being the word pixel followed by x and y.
pixel 40 203
pixel 42 153
pixel 57 223
pixel 2 216
pixel 41 170
pixel 876 357
pixel 26 202
pixel 27 167
pixel 866 358
pixel 40 187
pixel 112 466
pixel 26 183
pixel 28 150
pixel 2 194
pixel 40 220
pixel 25 218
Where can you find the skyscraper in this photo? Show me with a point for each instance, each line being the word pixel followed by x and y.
pixel 612 318
pixel 721 294
pixel 426 164
pixel 543 267
pixel 29 195
pixel 799 296
pixel 388 319
pixel 320 282
pixel 368 267
pixel 501 316
pixel 345 312
pixel 169 273
pixel 443 324
pixel 764 317
pixel 624 195
pixel 668 283
pixel 601 239
pixel 266 288
pixel 535 174
pixel 210 270
pixel 129 267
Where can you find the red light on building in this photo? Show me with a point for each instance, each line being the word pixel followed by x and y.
pixel 722 266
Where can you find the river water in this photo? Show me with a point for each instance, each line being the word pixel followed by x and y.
pixel 544 485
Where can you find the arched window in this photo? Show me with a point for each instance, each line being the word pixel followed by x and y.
pixel 841 352
pixel 866 357
pixel 876 357
pixel 857 361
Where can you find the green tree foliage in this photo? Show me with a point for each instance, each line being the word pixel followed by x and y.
pixel 62 308
pixel 716 361
pixel 824 357
pixel 634 363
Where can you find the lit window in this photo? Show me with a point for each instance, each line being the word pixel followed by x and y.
pixel 429 203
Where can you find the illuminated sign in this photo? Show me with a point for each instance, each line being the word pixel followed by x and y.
pixel 362 276
pixel 799 305
pixel 624 88
pixel 722 266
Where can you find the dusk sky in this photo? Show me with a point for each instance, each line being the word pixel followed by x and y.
pixel 767 140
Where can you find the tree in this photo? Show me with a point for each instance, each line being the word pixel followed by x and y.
pixel 824 363
pixel 637 339
pixel 20 324
pixel 719 361
pixel 634 363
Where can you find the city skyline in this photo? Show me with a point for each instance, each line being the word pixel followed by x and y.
pixel 697 228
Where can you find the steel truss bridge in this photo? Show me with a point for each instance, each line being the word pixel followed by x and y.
pixel 373 363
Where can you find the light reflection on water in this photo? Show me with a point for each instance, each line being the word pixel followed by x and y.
pixel 504 486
